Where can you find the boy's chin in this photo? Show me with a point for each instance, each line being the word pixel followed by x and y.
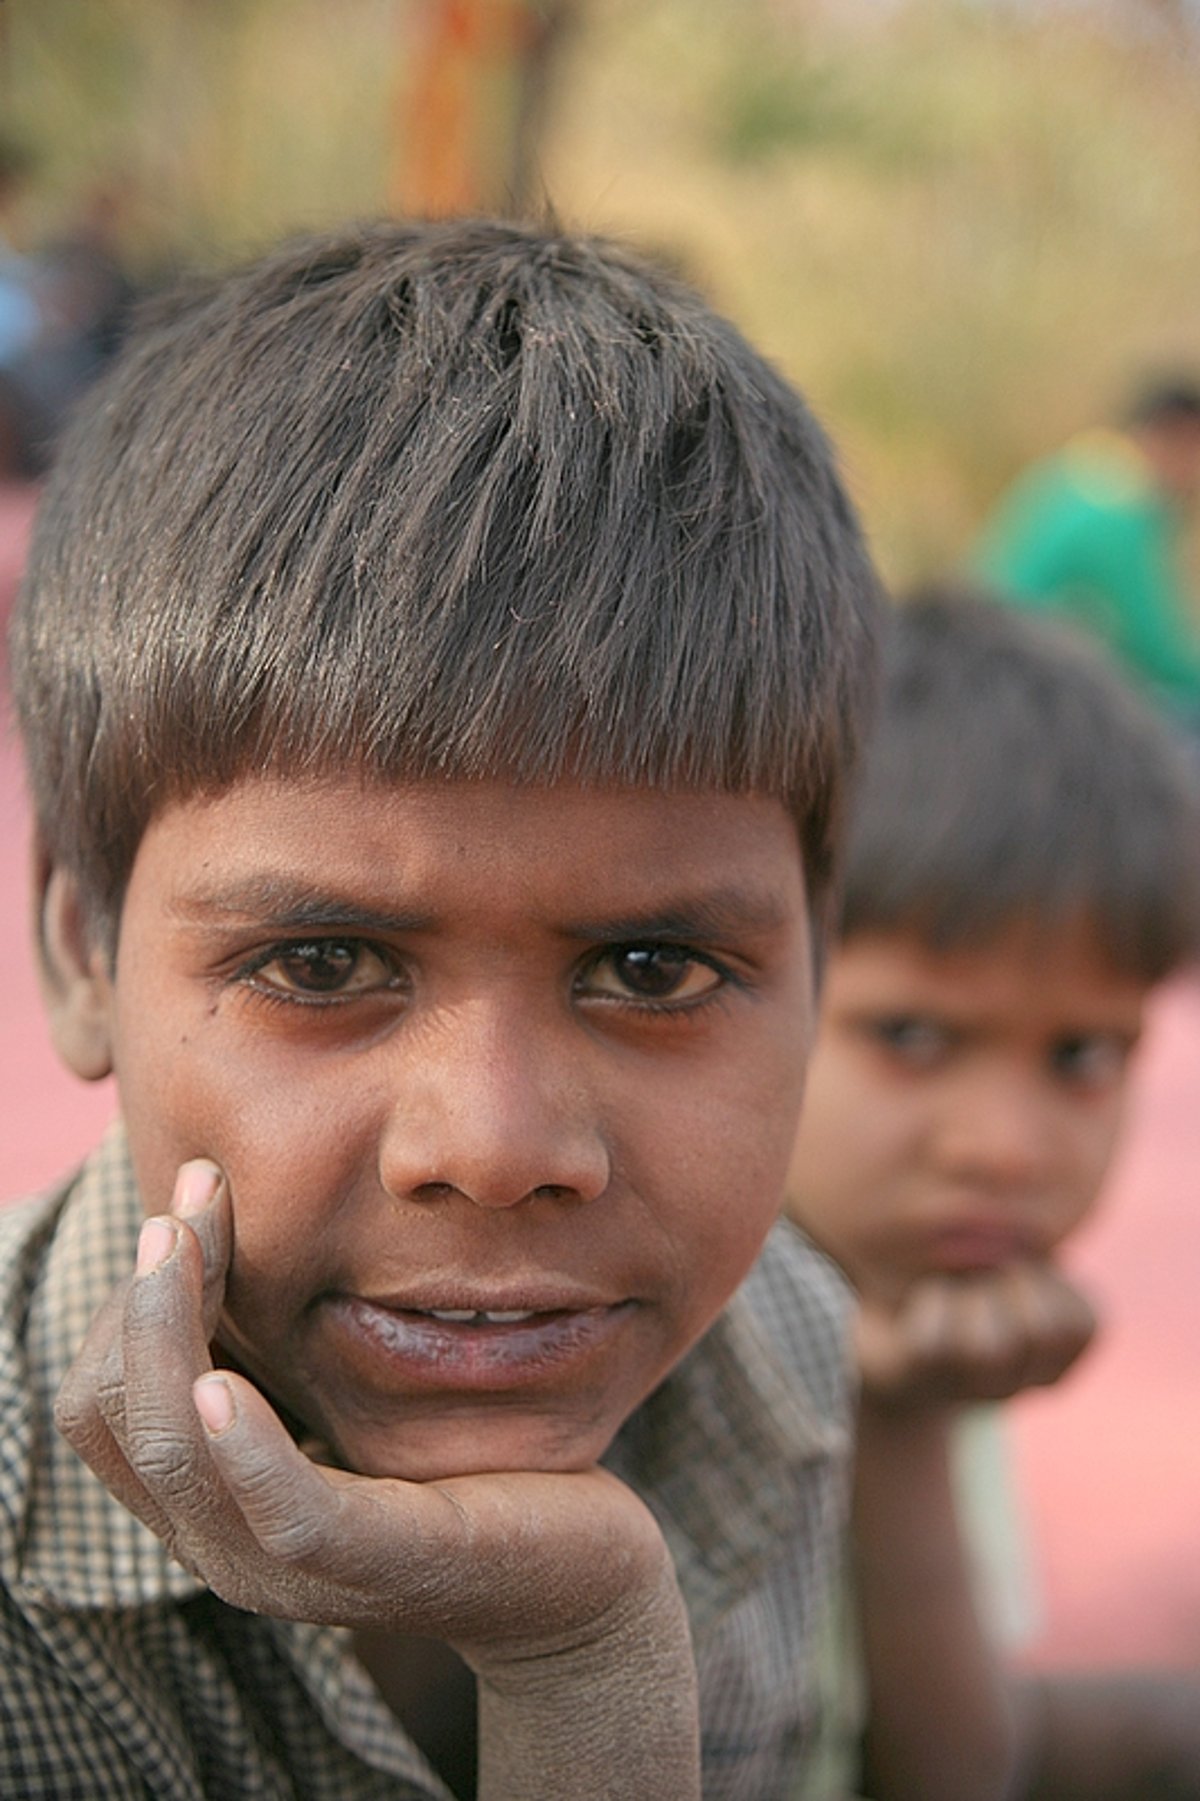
pixel 436 1452
pixel 422 1443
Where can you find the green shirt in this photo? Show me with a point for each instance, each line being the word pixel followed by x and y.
pixel 1087 535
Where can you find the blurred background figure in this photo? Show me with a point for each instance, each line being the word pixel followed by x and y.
pixel 1023 871
pixel 1092 535
pixel 19 319
pixel 63 309
pixel 85 295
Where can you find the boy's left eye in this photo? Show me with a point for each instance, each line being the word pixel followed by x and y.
pixel 320 968
pixel 651 972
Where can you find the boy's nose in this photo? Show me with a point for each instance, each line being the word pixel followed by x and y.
pixel 1000 1134
pixel 494 1115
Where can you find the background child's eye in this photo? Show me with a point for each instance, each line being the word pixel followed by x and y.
pixel 1093 1061
pixel 651 972
pixel 911 1039
pixel 323 966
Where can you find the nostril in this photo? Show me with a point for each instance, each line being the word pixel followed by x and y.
pixel 433 1191
pixel 442 1191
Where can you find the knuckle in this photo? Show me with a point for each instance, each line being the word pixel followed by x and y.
pixel 74 1409
pixel 284 1524
pixel 169 1468
pixel 212 1233
pixel 84 1409
pixel 291 1539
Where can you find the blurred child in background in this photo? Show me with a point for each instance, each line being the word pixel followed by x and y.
pixel 1023 869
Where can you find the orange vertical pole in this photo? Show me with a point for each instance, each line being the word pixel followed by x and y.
pixel 460 127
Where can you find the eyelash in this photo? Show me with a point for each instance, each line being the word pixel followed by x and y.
pixel 244 975
pixel 667 1007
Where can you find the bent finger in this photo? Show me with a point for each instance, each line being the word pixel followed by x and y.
pixel 89 1411
pixel 201 1199
pixel 165 1349
pixel 338 1547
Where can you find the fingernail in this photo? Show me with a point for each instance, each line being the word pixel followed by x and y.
pixel 214 1402
pixel 156 1241
pixel 195 1186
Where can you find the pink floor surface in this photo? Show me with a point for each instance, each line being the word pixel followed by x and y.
pixel 1108 1462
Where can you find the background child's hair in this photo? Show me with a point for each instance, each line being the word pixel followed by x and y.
pixel 1012 774
pixel 453 500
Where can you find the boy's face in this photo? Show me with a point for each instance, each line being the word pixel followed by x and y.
pixel 503 1080
pixel 961 1106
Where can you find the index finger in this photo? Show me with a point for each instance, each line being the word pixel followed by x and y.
pixel 90 1409
pixel 201 1198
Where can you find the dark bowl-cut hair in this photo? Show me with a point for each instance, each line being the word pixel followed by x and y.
pixel 1013 776
pixel 453 500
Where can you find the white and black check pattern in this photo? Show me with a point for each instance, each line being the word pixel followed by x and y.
pixel 122 1677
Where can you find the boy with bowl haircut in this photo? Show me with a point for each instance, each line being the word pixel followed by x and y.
pixel 1023 866
pixel 439 663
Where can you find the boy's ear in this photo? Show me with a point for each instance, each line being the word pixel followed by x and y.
pixel 75 980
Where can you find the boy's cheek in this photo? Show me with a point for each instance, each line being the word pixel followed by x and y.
pixel 186 1101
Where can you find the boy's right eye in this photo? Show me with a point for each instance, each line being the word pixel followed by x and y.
pixel 320 969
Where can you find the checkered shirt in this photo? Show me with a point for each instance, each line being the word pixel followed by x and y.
pixel 121 1676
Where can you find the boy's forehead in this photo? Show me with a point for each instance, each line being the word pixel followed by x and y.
pixel 492 802
pixel 270 844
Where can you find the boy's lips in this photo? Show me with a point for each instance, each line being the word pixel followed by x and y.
pixel 474 1342
pixel 543 1292
pixel 980 1243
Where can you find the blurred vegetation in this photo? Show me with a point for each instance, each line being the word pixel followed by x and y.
pixel 960 225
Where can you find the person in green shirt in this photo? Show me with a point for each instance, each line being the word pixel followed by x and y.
pixel 1091 534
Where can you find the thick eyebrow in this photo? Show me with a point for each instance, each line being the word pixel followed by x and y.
pixel 281 905
pixel 722 914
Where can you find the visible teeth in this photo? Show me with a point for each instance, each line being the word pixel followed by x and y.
pixel 461 1315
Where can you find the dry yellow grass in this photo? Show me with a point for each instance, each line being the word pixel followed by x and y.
pixel 959 224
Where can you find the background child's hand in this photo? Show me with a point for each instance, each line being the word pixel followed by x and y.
pixel 972 1337
pixel 545 1583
